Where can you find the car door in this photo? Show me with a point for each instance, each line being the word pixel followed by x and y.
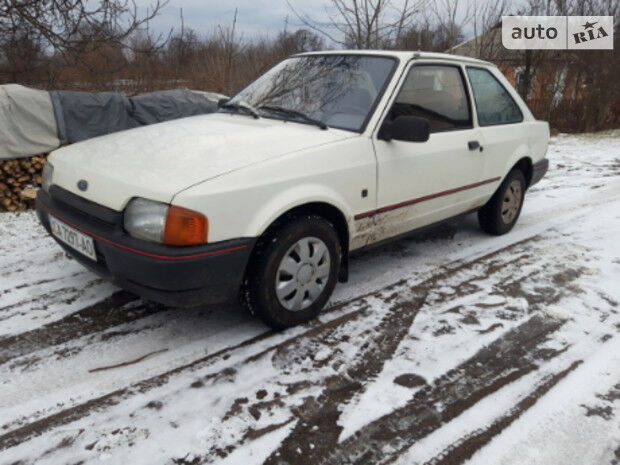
pixel 420 183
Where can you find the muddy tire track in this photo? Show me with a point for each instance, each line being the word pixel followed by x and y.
pixel 466 447
pixel 26 431
pixel 38 427
pixel 404 302
pixel 318 431
pixel 502 362
pixel 95 318
pixel 64 294
pixel 316 434
pixel 69 415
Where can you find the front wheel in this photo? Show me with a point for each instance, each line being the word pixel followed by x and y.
pixel 294 271
pixel 502 211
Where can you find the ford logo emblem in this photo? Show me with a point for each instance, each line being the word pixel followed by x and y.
pixel 82 185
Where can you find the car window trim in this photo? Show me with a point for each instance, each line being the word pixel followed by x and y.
pixel 505 90
pixel 408 67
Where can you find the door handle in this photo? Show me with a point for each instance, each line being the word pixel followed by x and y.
pixel 474 145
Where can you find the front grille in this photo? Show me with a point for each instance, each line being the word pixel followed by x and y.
pixel 81 206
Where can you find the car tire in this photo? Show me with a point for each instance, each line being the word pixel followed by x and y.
pixel 499 215
pixel 294 271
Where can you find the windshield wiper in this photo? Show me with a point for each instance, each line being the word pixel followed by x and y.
pixel 243 106
pixel 299 114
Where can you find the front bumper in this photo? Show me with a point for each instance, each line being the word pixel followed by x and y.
pixel 178 276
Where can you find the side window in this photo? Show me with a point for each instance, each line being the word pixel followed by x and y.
pixel 437 93
pixel 494 105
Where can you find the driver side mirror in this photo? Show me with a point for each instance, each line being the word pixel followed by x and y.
pixel 221 102
pixel 406 128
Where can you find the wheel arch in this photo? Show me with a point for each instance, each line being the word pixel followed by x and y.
pixel 526 165
pixel 323 209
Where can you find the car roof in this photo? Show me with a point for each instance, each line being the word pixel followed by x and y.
pixel 402 55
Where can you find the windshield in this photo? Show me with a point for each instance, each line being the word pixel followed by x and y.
pixel 337 90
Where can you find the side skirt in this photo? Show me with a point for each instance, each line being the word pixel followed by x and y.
pixel 457 219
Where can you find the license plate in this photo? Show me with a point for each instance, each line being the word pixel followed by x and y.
pixel 73 238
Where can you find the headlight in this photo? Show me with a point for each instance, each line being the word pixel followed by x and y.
pixel 46 178
pixel 145 219
pixel 163 223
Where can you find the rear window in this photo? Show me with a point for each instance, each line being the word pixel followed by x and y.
pixel 494 105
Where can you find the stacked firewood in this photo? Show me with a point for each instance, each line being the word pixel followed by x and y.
pixel 18 182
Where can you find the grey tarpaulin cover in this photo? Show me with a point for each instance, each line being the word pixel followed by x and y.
pixel 27 123
pixel 82 115
pixel 34 121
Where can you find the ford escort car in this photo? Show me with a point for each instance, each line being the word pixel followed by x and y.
pixel 264 200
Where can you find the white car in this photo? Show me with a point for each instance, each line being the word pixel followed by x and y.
pixel 324 154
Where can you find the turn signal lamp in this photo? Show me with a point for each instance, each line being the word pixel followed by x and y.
pixel 185 227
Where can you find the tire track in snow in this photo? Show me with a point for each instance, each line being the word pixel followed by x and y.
pixel 316 430
pixel 507 359
pixel 74 413
pixel 459 276
pixel 95 318
pixel 79 411
pixel 64 294
pixel 18 345
pixel 467 446
pixel 25 431
pixel 63 417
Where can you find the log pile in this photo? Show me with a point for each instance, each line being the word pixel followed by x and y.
pixel 18 180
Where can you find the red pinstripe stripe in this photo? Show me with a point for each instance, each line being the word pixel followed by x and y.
pixel 141 252
pixel 364 215
pixel 422 199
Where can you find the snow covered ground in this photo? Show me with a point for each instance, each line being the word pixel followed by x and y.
pixel 452 348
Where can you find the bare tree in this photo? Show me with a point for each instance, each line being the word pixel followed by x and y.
pixel 363 24
pixel 418 36
pixel 62 23
pixel 233 46
pixel 486 17
pixel 145 56
pixel 449 16
pixel 21 53
pixel 299 41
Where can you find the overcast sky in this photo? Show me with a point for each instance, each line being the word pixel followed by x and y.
pixel 256 17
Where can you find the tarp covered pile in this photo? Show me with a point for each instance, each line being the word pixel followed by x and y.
pixel 35 121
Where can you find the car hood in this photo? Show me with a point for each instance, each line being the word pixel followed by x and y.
pixel 160 160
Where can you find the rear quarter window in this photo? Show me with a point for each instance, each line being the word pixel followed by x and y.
pixel 494 105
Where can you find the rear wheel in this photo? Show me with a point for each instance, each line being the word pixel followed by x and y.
pixel 294 271
pixel 502 211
